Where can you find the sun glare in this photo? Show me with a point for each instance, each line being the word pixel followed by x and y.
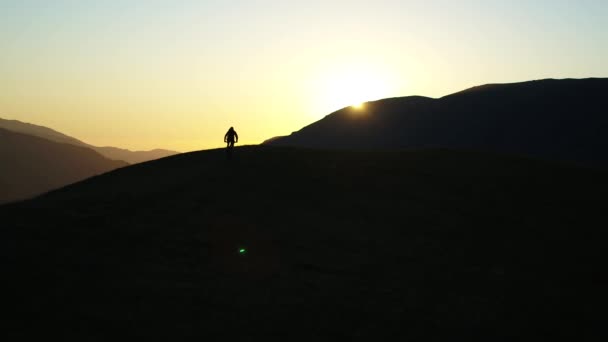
pixel 352 86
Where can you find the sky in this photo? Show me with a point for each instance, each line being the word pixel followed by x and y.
pixel 144 74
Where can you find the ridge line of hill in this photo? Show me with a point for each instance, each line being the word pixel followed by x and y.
pixel 552 119
pixel 114 153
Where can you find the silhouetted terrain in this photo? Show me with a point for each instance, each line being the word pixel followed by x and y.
pixel 39 131
pixel 114 153
pixel 133 157
pixel 553 119
pixel 433 245
pixel 30 165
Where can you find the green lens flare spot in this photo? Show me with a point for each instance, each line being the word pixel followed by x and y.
pixel 242 251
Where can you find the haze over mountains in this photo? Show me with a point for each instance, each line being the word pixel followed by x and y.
pixel 31 165
pixel 563 120
pixel 131 157
pixel 35 159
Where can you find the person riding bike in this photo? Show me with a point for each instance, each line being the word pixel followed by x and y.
pixel 230 137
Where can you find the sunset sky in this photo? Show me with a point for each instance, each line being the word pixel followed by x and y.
pixel 176 74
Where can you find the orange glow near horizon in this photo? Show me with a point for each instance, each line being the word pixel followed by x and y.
pixel 353 84
pixel 177 74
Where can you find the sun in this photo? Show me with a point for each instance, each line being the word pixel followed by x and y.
pixel 352 86
pixel 357 105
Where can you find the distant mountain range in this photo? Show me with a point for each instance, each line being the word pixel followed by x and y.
pixel 36 159
pixel 114 153
pixel 562 120
pixel 33 165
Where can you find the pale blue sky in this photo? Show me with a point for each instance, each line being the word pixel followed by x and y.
pixel 176 74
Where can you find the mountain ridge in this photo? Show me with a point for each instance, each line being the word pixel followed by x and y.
pixel 115 153
pixel 551 119
pixel 32 165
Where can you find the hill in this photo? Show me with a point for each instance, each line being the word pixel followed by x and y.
pixel 32 165
pixel 39 131
pixel 113 153
pixel 430 245
pixel 133 157
pixel 552 119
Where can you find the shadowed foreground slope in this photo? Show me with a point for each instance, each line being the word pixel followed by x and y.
pixel 428 245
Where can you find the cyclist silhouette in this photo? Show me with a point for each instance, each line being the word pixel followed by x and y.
pixel 229 138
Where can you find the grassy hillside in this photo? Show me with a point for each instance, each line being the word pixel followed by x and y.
pixel 419 245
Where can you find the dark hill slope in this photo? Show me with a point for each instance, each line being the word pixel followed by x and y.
pixel 552 119
pixel 30 165
pixel 109 152
pixel 428 245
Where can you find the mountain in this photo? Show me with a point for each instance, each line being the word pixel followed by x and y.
pixel 294 244
pixel 114 153
pixel 39 131
pixel 133 157
pixel 553 119
pixel 270 140
pixel 31 165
